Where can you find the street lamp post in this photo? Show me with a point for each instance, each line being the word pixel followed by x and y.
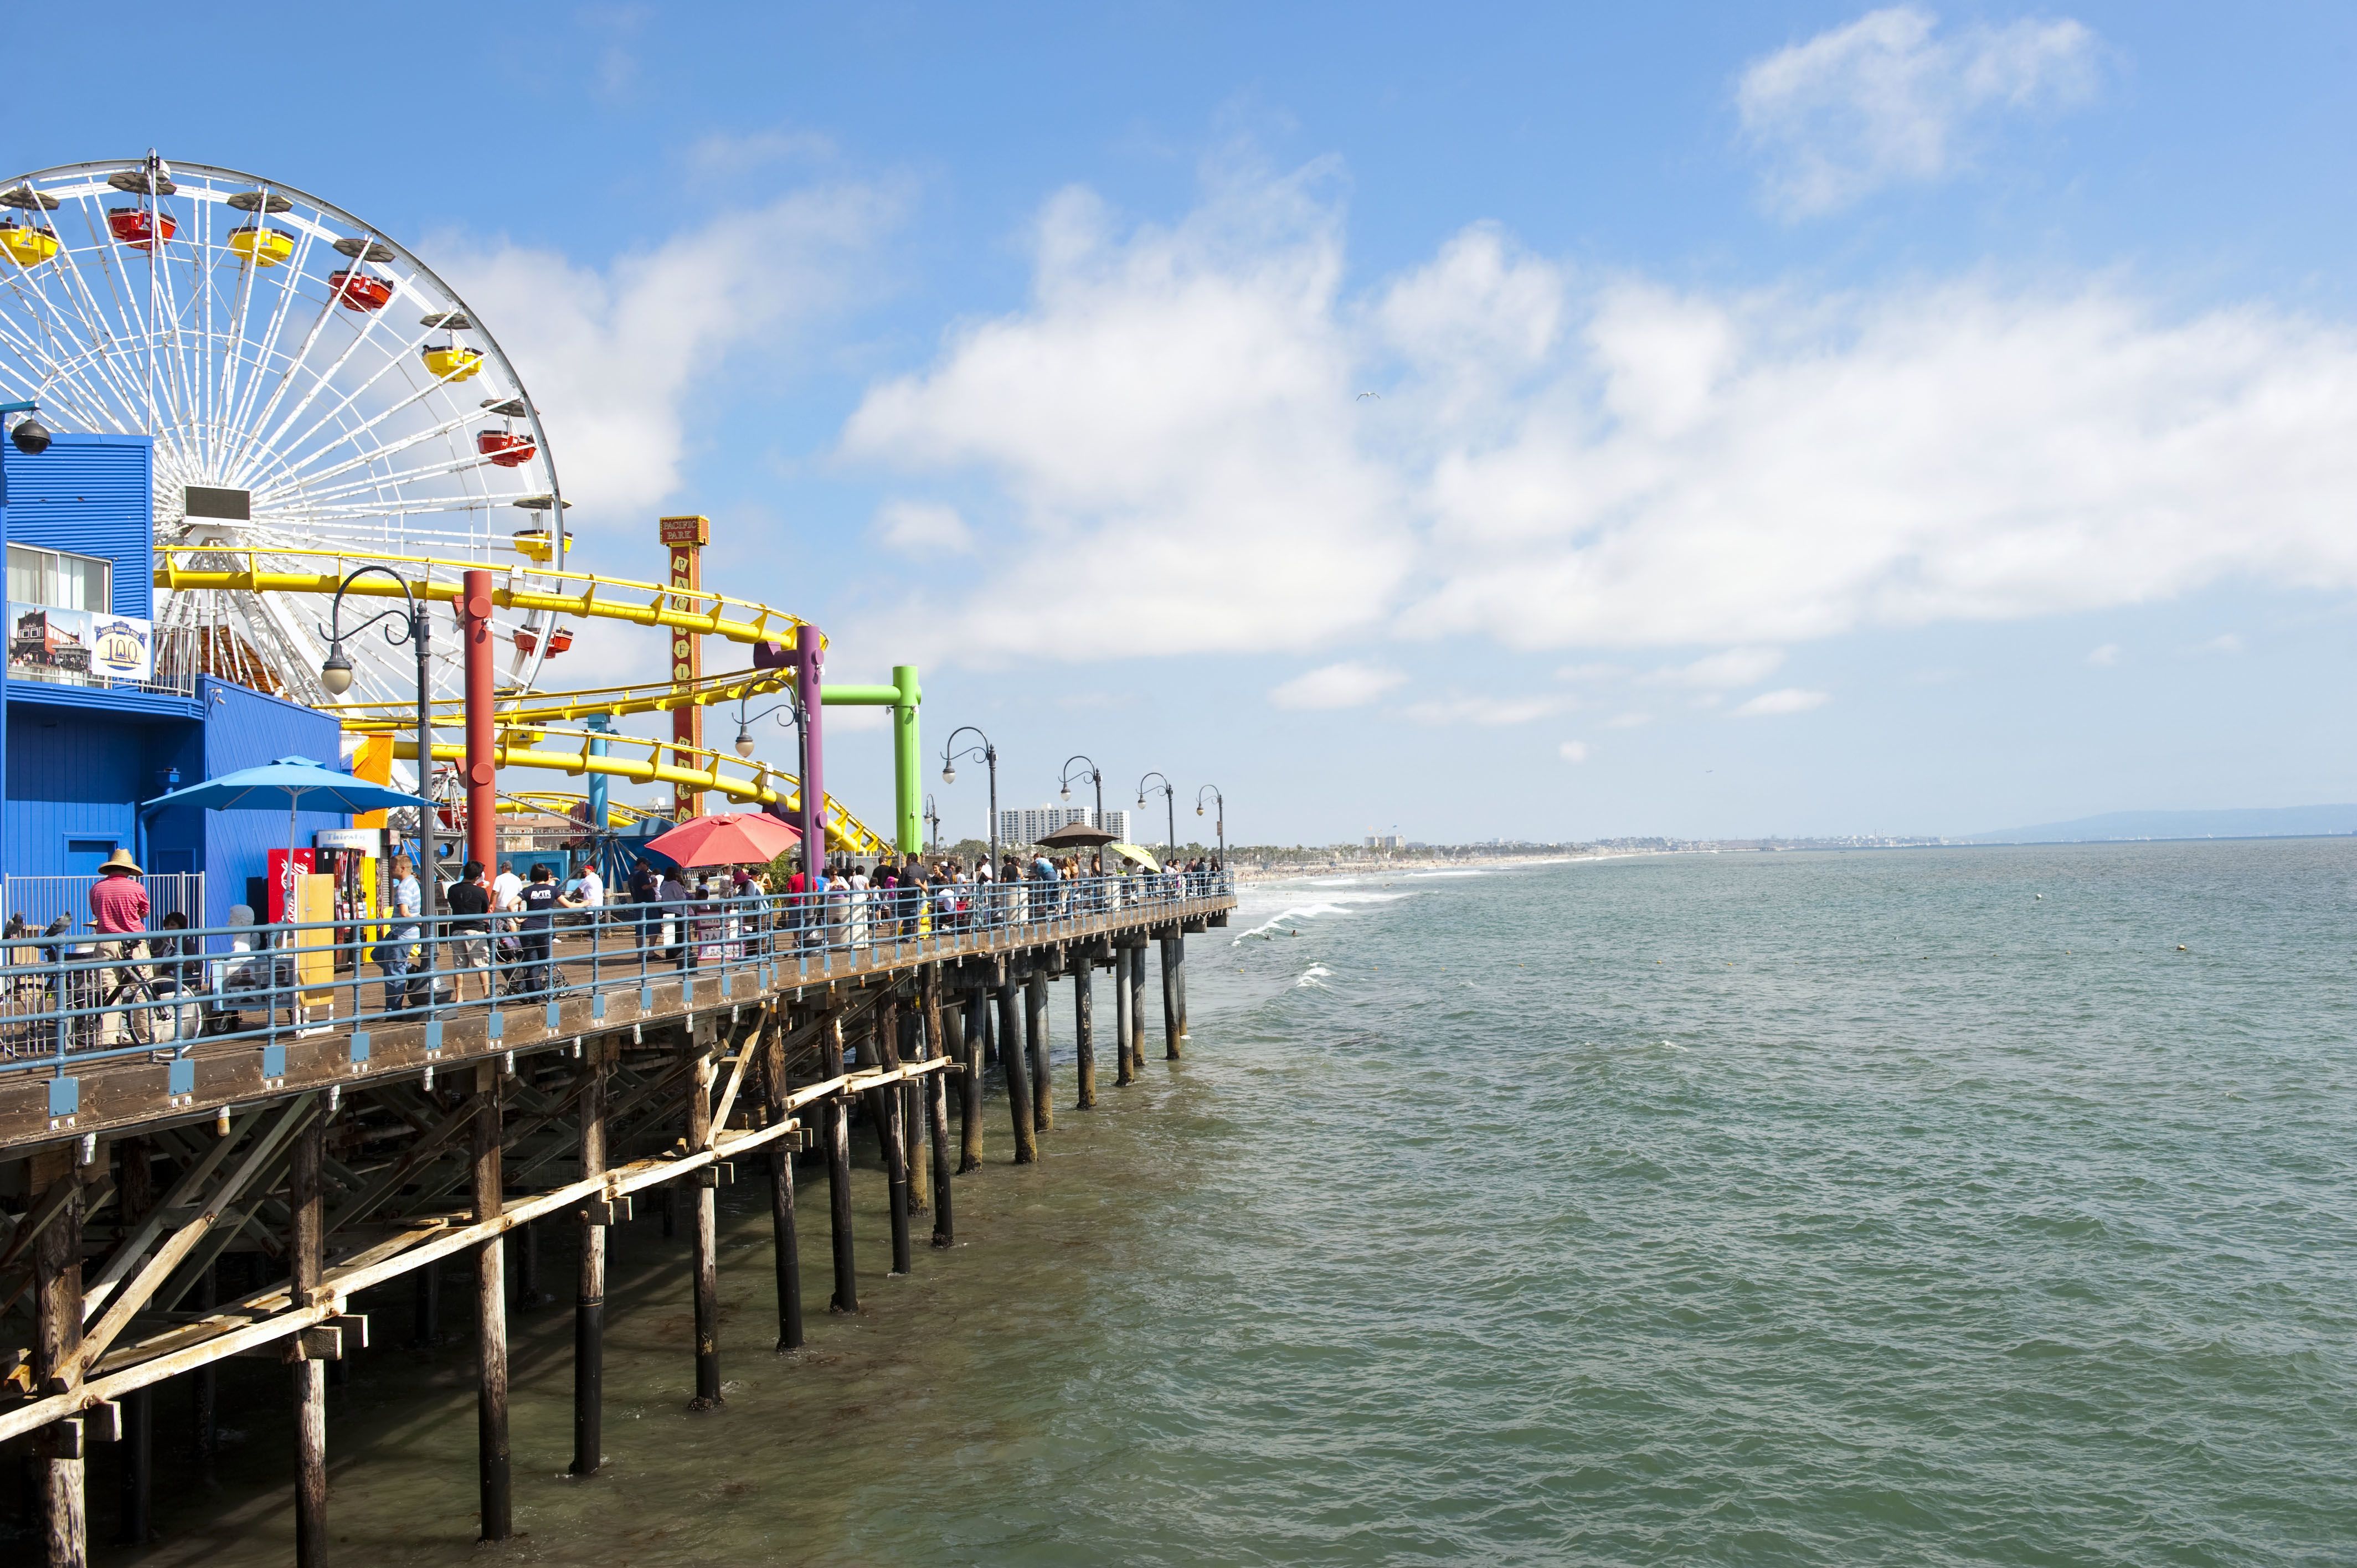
pixel 1095 775
pixel 933 817
pixel 414 626
pixel 1221 801
pixel 1170 801
pixel 989 754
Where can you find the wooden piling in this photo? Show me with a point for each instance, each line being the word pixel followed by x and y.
pixel 1084 1025
pixel 493 1480
pixel 138 1453
pixel 306 1240
pixel 837 1119
pixel 204 1395
pixel 939 1024
pixel 1019 1080
pixel 913 1114
pixel 1035 1044
pixel 706 1197
pixel 1138 1004
pixel 1174 955
pixel 1124 1022
pixel 967 1030
pixel 891 1133
pixel 57 1312
pixel 787 1245
pixel 589 1290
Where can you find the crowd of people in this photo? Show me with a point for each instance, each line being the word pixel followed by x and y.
pixel 498 935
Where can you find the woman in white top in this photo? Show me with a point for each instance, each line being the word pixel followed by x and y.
pixel 859 906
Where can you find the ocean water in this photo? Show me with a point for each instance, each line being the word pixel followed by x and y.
pixel 1987 1206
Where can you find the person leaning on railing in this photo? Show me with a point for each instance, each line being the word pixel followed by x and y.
pixel 118 907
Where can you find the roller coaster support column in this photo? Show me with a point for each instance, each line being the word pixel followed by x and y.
pixel 482 773
pixel 903 697
pixel 683 539
pixel 600 724
pixel 810 658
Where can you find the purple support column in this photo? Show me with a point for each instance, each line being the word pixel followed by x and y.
pixel 806 684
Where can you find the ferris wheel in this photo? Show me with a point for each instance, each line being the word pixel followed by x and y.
pixel 310 386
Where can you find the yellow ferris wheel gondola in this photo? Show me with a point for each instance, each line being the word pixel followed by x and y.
pixel 262 244
pixel 28 245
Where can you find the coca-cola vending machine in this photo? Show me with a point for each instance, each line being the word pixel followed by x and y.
pixel 285 865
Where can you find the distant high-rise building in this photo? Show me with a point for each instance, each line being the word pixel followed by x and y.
pixel 1029 824
pixel 1383 840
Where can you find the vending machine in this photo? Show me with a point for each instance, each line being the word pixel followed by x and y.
pixel 351 855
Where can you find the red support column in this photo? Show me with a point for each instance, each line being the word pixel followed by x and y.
pixel 482 800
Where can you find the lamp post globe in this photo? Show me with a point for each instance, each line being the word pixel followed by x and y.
pixel 336 673
pixel 744 742
pixel 949 775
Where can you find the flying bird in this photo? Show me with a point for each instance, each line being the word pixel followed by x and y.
pixel 1377 396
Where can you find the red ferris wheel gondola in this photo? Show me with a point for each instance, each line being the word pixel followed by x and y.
pixel 505 447
pixel 140 227
pixel 361 291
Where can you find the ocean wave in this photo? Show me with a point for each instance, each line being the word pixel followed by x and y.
pixel 1338 904
pixel 1317 974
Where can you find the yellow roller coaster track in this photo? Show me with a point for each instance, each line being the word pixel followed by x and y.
pixel 531 708
pixel 563 593
pixel 720 774
pixel 565 802
pixel 534 587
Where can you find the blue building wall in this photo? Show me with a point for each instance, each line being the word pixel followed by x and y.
pixel 75 762
pixel 91 495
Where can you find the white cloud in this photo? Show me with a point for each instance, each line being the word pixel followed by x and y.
pixel 1350 684
pixel 922 528
pixel 1628 721
pixel 1562 462
pixel 1888 99
pixel 1788 700
pixel 2224 642
pixel 1573 751
pixel 1723 671
pixel 1484 710
pixel 2105 657
pixel 1175 421
pixel 616 356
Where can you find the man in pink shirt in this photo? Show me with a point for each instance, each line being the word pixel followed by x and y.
pixel 118 906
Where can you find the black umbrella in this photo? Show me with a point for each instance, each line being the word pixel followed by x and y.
pixel 1076 836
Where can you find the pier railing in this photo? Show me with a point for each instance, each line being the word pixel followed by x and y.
pixel 69 997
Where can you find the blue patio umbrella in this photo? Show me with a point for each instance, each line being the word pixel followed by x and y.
pixel 297 783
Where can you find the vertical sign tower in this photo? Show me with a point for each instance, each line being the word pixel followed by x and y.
pixel 685 539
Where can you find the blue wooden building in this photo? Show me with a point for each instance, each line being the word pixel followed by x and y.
pixel 81 749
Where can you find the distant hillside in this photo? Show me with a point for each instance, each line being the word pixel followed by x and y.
pixel 2281 821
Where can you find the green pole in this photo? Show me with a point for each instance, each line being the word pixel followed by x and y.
pixel 903 697
pixel 911 793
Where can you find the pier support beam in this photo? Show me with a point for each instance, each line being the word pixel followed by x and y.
pixel 1124 1022
pixel 204 1403
pixel 138 1450
pixel 707 1241
pixel 1019 1076
pixel 306 1241
pixel 788 1246
pixel 1084 1033
pixel 914 1104
pixel 1174 992
pixel 590 1295
pixel 935 1089
pixel 885 1106
pixel 490 1318
pixel 967 1031
pixel 1138 1004
pixel 837 1119
pixel 1034 1045
pixel 57 1313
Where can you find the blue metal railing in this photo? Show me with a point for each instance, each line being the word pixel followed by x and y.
pixel 70 997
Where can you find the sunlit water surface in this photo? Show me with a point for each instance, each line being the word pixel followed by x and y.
pixel 1794 1208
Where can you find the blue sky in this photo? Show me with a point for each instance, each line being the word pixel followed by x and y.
pixel 1789 419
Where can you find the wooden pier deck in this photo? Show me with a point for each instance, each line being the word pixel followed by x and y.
pixel 366 1155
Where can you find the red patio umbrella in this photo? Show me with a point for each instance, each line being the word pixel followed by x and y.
pixel 743 838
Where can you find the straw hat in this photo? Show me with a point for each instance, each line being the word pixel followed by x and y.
pixel 120 860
